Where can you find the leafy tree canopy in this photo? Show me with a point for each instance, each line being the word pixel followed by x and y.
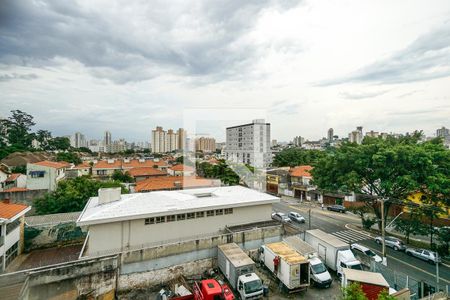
pixel 122 177
pixel 71 195
pixel 68 157
pixel 292 157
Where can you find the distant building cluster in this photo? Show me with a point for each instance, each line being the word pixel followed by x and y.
pixel 168 141
pixel 205 144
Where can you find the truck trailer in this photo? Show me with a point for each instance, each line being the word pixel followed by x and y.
pixel 239 269
pixel 291 268
pixel 319 274
pixel 335 253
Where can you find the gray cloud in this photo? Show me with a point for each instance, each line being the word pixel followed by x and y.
pixel 362 95
pixel 134 41
pixel 424 59
pixel 13 76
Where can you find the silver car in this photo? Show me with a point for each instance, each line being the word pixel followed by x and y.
pixel 393 242
pixel 424 254
pixel 281 217
pixel 296 217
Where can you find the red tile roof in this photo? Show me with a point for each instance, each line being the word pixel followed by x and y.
pixel 135 163
pixel 9 210
pixel 182 168
pixel 15 189
pixel 169 183
pixel 103 164
pixel 301 171
pixel 52 164
pixel 13 177
pixel 83 165
pixel 146 171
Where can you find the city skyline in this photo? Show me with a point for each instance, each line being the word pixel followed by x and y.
pixel 310 64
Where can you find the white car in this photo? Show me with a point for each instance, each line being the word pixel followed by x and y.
pixel 364 250
pixel 281 217
pixel 424 254
pixel 296 217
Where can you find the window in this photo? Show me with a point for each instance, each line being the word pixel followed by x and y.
pixel 228 211
pixel 160 220
pixel 11 253
pixel 13 225
pixel 190 216
pixel 149 221
pixel 219 212
pixel 200 214
pixel 209 213
pixel 170 218
pixel 181 217
pixel 37 174
pixel 101 172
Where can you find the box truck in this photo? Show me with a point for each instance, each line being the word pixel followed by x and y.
pixel 291 268
pixel 335 253
pixel 319 274
pixel 239 269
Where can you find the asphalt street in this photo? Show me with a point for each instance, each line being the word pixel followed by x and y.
pixel 335 223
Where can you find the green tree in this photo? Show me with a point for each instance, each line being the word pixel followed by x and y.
pixel 18 130
pixel 388 169
pixel 292 157
pixel 122 177
pixel 59 143
pixel 85 149
pixel 412 223
pixel 68 157
pixel 384 295
pixel 19 169
pixel 71 195
pixel 353 292
pixel 443 237
pixel 44 137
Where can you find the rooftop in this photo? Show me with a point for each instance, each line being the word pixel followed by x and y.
pixel 286 253
pixel 366 277
pixel 13 177
pixel 301 171
pixel 143 205
pixel 10 210
pixel 182 168
pixel 15 189
pixel 236 255
pixel 146 171
pixel 52 164
pixel 161 183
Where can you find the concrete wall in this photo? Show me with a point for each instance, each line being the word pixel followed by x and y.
pixel 49 181
pixel 52 235
pixel 26 197
pixel 134 234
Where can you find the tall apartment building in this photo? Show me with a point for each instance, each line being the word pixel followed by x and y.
pixel 181 138
pixel 356 136
pixel 78 140
pixel 443 132
pixel 205 144
pixel 167 141
pixel 107 138
pixel 330 135
pixel 249 144
pixel 298 141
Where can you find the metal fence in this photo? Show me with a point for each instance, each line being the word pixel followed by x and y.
pixel 399 280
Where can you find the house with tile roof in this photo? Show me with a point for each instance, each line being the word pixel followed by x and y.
pixel 11 233
pixel 104 169
pixel 83 169
pixel 168 183
pixel 45 175
pixel 301 179
pixel 14 180
pixel 4 174
pixel 181 170
pixel 148 219
pixel 140 174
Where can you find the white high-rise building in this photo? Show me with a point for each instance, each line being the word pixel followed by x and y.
pixel 356 136
pixel 249 144
pixel 78 140
pixel 107 138
pixel 172 141
pixel 330 135
pixel 159 140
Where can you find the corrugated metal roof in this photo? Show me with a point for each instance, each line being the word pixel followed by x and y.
pixel 286 252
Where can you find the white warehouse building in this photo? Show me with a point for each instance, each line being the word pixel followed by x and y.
pixel 117 223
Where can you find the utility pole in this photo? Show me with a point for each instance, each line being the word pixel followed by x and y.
pixel 383 234
pixel 437 272
pixel 309 218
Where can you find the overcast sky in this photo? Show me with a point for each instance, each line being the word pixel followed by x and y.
pixel 128 66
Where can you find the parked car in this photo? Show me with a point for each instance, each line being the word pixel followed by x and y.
pixel 360 249
pixel 296 217
pixel 393 242
pixel 338 208
pixel 424 254
pixel 281 217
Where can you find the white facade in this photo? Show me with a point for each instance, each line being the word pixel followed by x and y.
pixel 43 177
pixel 158 140
pixel 145 219
pixel 10 238
pixel 249 144
pixel 356 136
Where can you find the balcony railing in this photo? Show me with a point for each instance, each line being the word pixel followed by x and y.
pixel 2 240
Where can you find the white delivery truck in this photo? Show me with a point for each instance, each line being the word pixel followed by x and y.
pixel 335 253
pixel 239 269
pixel 292 269
pixel 319 274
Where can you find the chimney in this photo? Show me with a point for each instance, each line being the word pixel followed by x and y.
pixel 107 195
pixel 6 201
